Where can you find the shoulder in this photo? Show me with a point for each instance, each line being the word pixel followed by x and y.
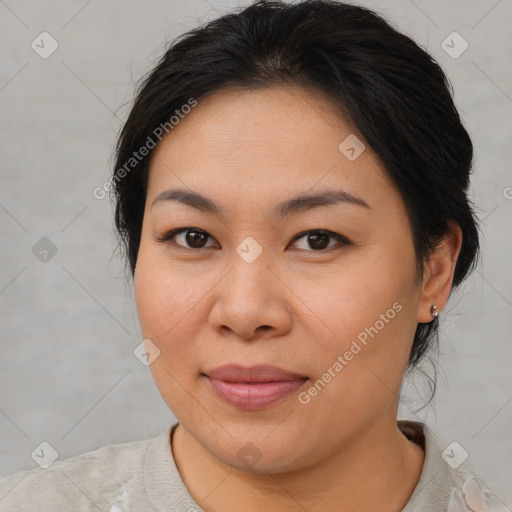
pixel 90 481
pixel 469 493
pixel 447 475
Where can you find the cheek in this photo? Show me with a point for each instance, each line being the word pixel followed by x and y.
pixel 365 314
pixel 171 304
pixel 353 297
pixel 165 304
pixel 155 305
pixel 164 295
pixel 369 330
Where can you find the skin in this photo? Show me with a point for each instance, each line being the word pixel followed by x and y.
pixel 295 306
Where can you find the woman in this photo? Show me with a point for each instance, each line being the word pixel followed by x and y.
pixel 291 190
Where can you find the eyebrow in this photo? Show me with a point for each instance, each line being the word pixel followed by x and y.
pixel 290 206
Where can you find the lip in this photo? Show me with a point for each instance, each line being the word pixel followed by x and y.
pixel 255 387
pixel 258 373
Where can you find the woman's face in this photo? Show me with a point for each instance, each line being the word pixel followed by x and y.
pixel 253 283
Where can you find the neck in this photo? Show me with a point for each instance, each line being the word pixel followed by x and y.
pixel 381 466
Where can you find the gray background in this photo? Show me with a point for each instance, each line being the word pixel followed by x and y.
pixel 69 326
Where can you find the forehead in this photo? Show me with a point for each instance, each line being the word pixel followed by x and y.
pixel 264 143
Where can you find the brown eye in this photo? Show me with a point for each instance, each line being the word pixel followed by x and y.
pixel 318 240
pixel 195 239
pixel 188 238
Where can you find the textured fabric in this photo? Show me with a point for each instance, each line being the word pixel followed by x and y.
pixel 142 476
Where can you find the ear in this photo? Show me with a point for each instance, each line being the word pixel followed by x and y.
pixel 438 273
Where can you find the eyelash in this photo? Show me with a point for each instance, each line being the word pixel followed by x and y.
pixel 167 238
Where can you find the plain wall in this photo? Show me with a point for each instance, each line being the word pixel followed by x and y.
pixel 69 325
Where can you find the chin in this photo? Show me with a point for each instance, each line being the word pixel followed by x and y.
pixel 254 450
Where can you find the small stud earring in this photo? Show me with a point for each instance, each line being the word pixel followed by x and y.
pixel 433 311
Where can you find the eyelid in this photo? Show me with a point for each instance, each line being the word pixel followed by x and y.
pixel 166 238
pixel 341 239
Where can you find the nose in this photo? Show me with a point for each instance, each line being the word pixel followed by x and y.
pixel 251 302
